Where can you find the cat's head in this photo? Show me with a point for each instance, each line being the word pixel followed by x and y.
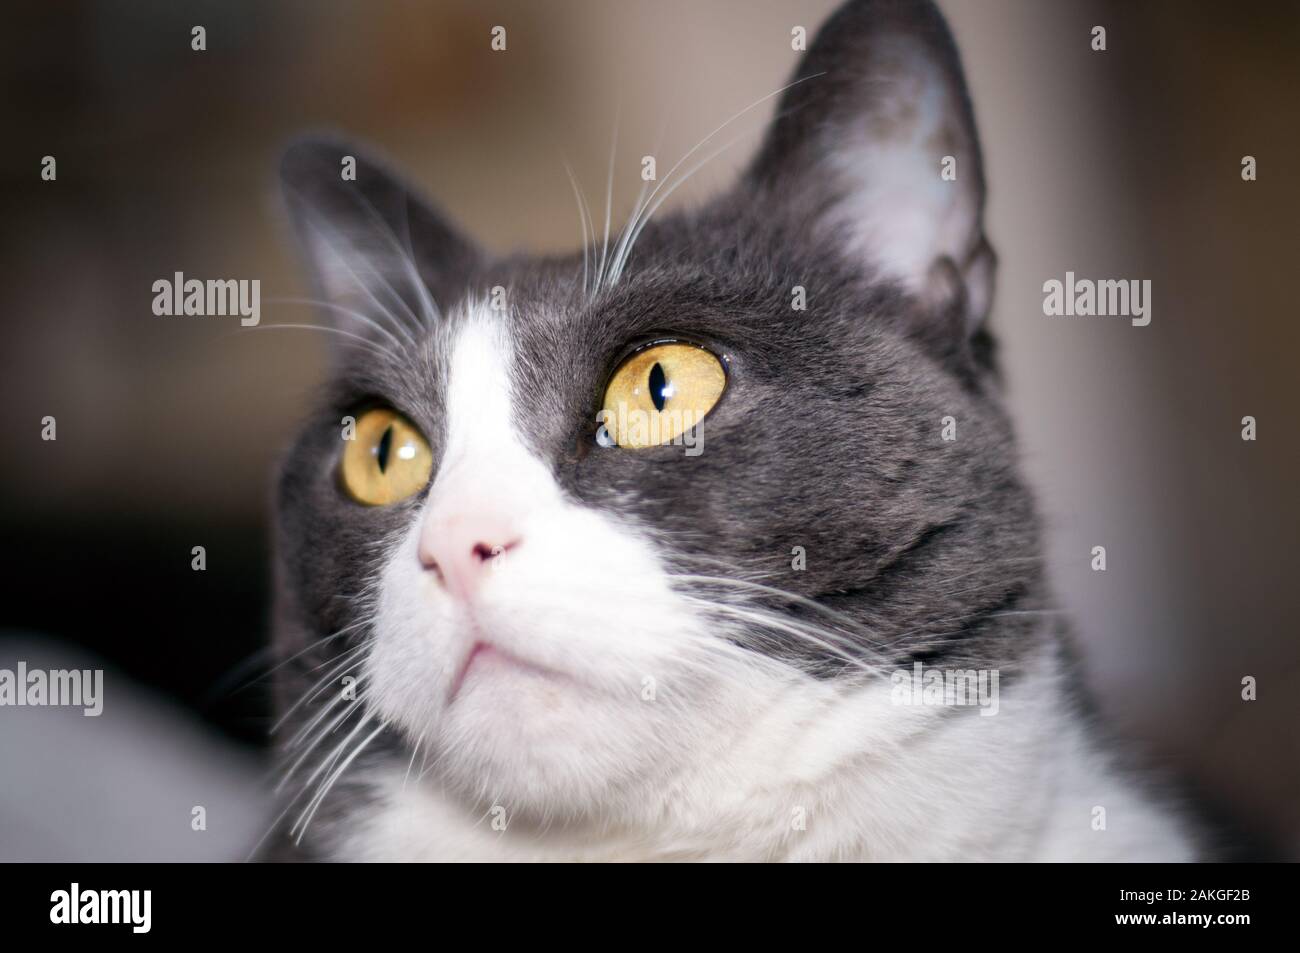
pixel 564 614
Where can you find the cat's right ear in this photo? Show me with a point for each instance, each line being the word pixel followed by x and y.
pixel 377 250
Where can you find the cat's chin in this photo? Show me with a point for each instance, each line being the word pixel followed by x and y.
pixel 493 682
pixel 541 742
pixel 487 665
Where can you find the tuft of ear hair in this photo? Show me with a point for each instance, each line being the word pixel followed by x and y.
pixel 875 154
pixel 377 249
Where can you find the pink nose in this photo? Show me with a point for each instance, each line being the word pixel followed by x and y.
pixel 465 536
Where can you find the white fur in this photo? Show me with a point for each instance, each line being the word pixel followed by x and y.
pixel 723 757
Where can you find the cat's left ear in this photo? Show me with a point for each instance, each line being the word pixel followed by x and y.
pixel 374 245
pixel 878 157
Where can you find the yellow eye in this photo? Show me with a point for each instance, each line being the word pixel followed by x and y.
pixel 388 461
pixel 659 393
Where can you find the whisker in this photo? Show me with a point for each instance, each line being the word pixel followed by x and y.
pixel 609 201
pixel 768 620
pixel 695 148
pixel 380 349
pixel 325 763
pixel 340 309
pixel 652 204
pixel 431 306
pixel 406 260
pixel 582 219
pixel 345 255
pixel 414 751
pixel 303 732
pixel 269 650
pixel 338 773
pixel 338 666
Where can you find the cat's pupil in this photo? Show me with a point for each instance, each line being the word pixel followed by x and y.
pixel 658 381
pixel 385 445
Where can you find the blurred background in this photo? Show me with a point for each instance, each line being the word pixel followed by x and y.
pixel 1123 164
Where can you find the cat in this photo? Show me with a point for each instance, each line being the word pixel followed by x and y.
pixel 522 623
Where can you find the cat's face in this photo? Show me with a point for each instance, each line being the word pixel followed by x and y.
pixel 551 615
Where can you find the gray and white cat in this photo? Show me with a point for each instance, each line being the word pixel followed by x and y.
pixel 521 630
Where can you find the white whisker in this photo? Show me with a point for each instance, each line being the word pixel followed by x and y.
pixel 635 230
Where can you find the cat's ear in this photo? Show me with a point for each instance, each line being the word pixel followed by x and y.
pixel 876 148
pixel 378 251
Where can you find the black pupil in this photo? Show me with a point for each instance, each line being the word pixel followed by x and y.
pixel 385 445
pixel 658 381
